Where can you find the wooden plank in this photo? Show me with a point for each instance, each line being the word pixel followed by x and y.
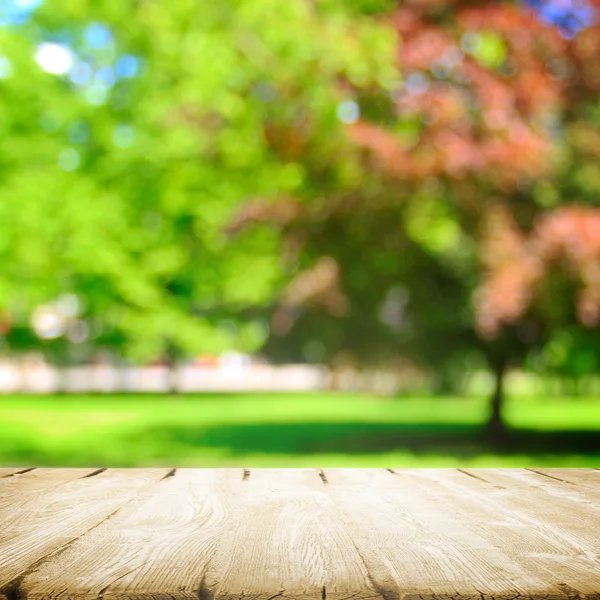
pixel 22 492
pixel 156 546
pixel 558 546
pixel 19 489
pixel 217 534
pixel 415 546
pixel 225 534
pixel 51 519
pixel 287 539
pixel 589 479
pixel 6 472
pixel 558 484
pixel 520 493
pixel 540 499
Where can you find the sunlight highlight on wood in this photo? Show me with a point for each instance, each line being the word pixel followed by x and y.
pixel 310 534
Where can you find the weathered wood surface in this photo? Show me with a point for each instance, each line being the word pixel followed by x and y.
pixel 235 534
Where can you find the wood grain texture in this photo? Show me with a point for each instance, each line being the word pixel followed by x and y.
pixel 561 484
pixel 531 529
pixel 37 479
pixel 537 498
pixel 286 540
pixel 216 534
pixel 15 471
pixel 21 492
pixel 337 534
pixel 415 545
pixel 157 546
pixel 588 479
pixel 38 521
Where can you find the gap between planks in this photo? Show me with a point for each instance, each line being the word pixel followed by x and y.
pixel 35 534
pixel 205 592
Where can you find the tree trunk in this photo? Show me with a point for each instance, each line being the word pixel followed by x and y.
pixel 173 379
pixel 445 382
pixel 172 374
pixel 61 365
pixel 61 376
pixel 495 426
pixel 171 356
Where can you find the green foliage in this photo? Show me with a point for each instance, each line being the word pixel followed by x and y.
pixel 488 48
pixel 118 174
pixel 570 352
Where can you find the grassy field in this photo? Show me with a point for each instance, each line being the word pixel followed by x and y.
pixel 293 430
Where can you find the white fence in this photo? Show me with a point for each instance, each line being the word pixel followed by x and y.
pixel 37 377
pixel 44 379
pixel 41 378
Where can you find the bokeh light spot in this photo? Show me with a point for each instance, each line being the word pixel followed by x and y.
pixel 348 111
pixel 54 58
pixel 123 136
pixel 5 67
pixel 81 73
pixel 69 159
pixel 96 93
pixel 97 36
pixel 126 66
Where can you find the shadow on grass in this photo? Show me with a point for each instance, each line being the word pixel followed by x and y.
pixel 459 440
pixel 170 444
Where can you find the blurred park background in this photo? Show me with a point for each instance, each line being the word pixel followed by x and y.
pixel 300 233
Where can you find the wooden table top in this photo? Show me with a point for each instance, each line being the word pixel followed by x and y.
pixel 337 534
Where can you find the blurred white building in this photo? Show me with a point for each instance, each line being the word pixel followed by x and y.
pixel 232 372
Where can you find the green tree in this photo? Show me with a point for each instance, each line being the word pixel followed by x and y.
pixel 468 162
pixel 132 131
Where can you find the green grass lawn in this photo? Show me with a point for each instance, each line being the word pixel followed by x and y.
pixel 292 430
